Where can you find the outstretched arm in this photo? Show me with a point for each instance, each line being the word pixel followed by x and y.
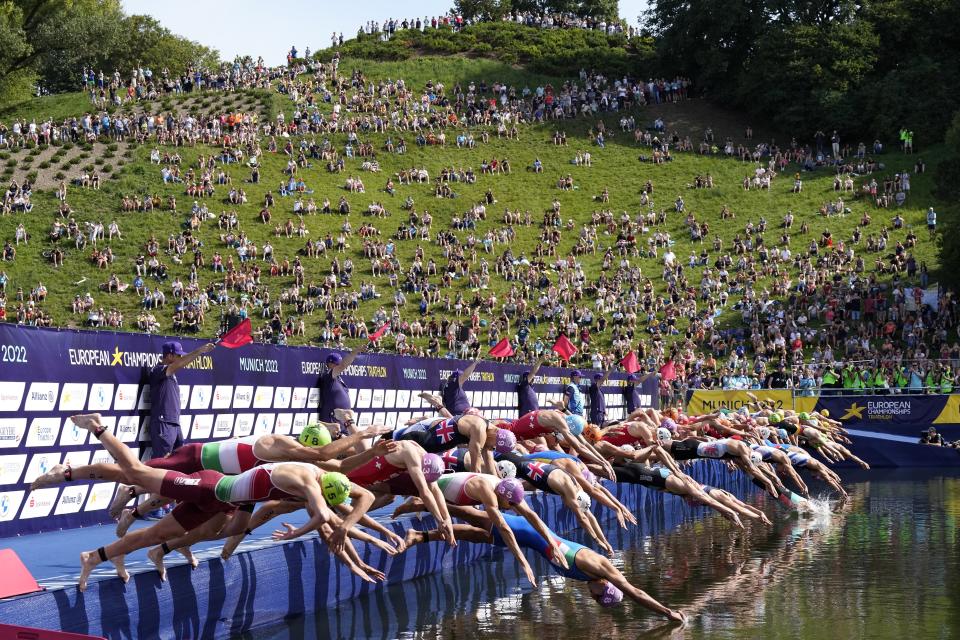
pixel 348 360
pixel 469 371
pixel 535 369
pixel 190 357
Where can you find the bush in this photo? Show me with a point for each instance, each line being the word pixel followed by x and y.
pixel 108 154
pixel 88 168
pixel 60 175
pixel 67 146
pixel 107 168
pixel 12 163
pixel 112 146
pixel 44 165
pixel 32 176
pixel 4 155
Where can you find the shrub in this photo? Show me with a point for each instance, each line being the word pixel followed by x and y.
pixel 107 168
pixel 60 175
pixel 88 168
pixel 32 176
pixel 44 165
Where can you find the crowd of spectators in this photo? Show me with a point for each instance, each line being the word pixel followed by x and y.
pixel 861 300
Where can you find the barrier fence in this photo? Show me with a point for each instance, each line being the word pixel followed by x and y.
pixel 47 375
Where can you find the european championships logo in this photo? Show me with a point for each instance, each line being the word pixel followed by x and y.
pixel 854 411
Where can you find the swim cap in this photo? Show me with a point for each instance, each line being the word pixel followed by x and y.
pixel 589 476
pixel 591 433
pixel 314 436
pixel 432 467
pixel 505 441
pixel 813 422
pixel 610 597
pixel 724 411
pixel 583 500
pixel 824 413
pixel 627 447
pixel 575 423
pixel 335 487
pixel 507 469
pixel 663 435
pixel 764 433
pixel 755 457
pixel 782 434
pixel 669 424
pixel 803 415
pixel 510 490
pixel 743 410
pixel 775 417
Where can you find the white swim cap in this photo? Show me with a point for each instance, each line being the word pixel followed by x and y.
pixel 507 469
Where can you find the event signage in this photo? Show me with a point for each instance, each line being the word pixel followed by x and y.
pixel 227 393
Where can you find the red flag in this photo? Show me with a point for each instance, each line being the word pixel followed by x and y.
pixel 629 363
pixel 668 371
pixel 238 336
pixel 564 347
pixel 502 349
pixel 376 335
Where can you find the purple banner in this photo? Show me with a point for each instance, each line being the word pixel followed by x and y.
pixel 48 375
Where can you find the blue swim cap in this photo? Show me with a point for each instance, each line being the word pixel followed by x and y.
pixel 575 423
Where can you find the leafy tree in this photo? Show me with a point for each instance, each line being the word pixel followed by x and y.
pixel 482 9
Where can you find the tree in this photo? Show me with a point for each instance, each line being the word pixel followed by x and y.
pixel 948 190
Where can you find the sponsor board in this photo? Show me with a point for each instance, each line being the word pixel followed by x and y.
pixel 200 397
pixel 11 393
pixel 71 499
pixel 242 397
pixel 283 424
pixel 126 398
pixel 100 496
pixel 10 504
pixel 73 397
pixel 281 398
pixel 11 468
pixel 264 423
pixel 313 398
pixel 244 424
pixel 202 426
pixel 300 420
pixel 77 458
pixel 263 397
pixel 101 394
pixel 43 432
pixel 222 395
pixel 128 428
pixel 71 435
pixel 11 432
pixel 101 456
pixel 42 396
pixel 39 503
pixel 223 426
pixel 184 395
pixel 298 398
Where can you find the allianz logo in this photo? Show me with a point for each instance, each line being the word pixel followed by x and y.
pixel 42 396
pixel 68 498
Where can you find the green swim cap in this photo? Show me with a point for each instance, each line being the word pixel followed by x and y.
pixel 335 487
pixel 775 418
pixel 314 436
pixel 803 415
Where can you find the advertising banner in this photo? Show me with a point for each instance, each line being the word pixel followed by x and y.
pixel 48 375
pixel 890 413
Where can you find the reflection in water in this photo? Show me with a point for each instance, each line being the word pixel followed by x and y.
pixel 882 565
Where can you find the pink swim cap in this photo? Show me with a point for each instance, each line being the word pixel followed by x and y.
pixel 511 490
pixel 432 467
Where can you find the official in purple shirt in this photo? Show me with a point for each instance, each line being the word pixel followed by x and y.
pixel 334 392
pixel 165 435
pixel 526 394
pixel 454 398
pixel 598 403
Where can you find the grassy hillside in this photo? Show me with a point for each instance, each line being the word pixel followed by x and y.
pixel 615 168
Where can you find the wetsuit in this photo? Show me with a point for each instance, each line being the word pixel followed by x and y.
pixel 455 460
pixel 528 426
pixel 536 473
pixel 550 456
pixel 377 470
pixel 434 438
pixel 225 456
pixel 454 488
pixel 528 538
pixel 642 474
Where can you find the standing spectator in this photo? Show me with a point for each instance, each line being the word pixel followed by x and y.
pixel 455 400
pixel 931 221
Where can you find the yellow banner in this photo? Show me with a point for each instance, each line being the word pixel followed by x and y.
pixel 951 411
pixel 704 401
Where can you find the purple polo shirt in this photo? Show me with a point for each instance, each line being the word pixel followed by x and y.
pixel 526 397
pixel 164 396
pixel 334 394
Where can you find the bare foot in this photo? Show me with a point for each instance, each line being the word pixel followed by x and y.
pixel 55 476
pixel 126 519
pixel 343 415
pixel 155 556
pixel 430 399
pixel 88 562
pixel 188 554
pixel 121 568
pixel 230 546
pixel 410 505
pixel 119 501
pixel 88 421
pixel 412 537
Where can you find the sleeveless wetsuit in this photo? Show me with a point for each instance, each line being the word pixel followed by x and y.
pixel 435 438
pixel 535 473
pixel 645 475
pixel 454 460
pixel 528 538
pixel 230 456
pixel 454 489
pixel 256 485
pixel 377 470
pixel 528 426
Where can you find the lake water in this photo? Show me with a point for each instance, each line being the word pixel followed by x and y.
pixel 885 564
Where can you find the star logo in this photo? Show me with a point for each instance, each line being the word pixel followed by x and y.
pixel 853 411
pixel 117 356
pixel 67 397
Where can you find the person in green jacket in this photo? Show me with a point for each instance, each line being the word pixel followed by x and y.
pixel 930 384
pixel 946 380
pixel 829 380
pixel 901 379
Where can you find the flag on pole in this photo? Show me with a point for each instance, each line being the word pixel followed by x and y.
pixel 564 347
pixel 630 363
pixel 238 336
pixel 502 349
pixel 376 335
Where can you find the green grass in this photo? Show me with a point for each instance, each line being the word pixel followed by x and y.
pixel 615 168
